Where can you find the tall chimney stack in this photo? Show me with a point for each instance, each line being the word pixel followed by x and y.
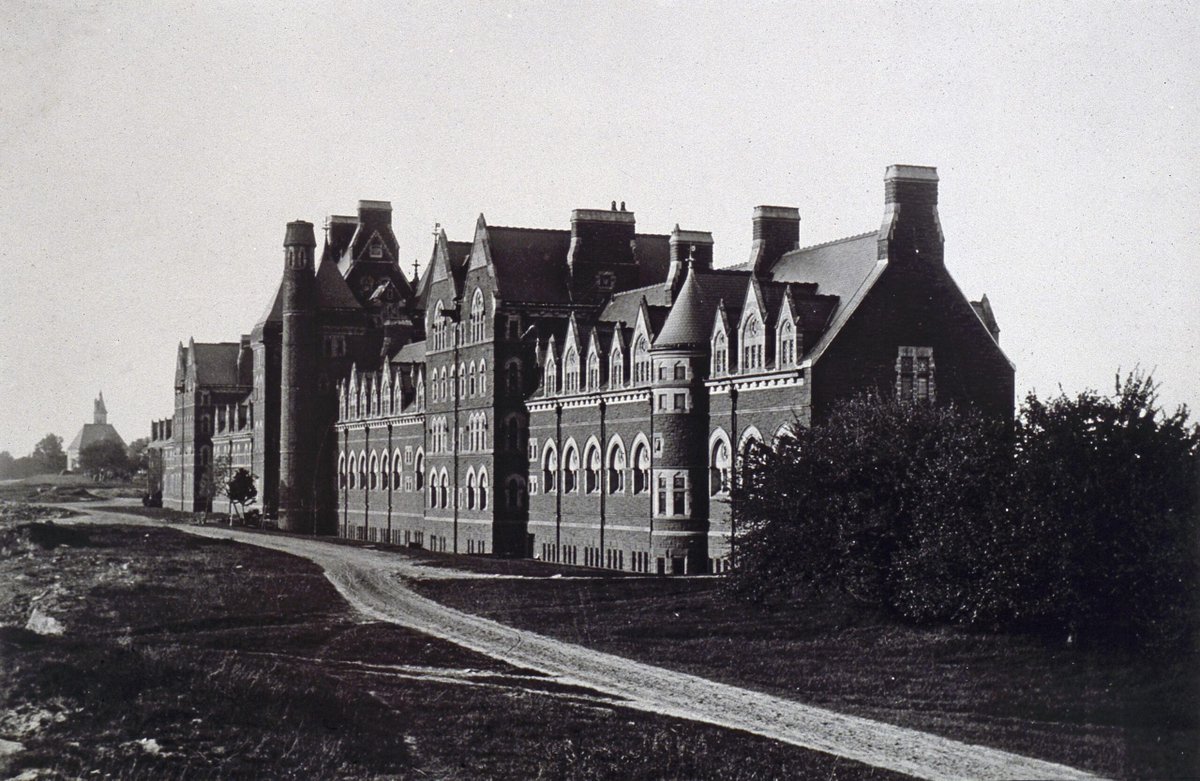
pixel 776 231
pixel 911 229
pixel 297 456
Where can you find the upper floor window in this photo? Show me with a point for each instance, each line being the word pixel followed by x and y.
pixel 616 373
pixel 718 468
pixel 512 378
pixel 616 469
pixel 593 378
pixel 752 344
pixel 591 476
pixel 915 374
pixel 641 468
pixel 720 354
pixel 477 316
pixel 641 362
pixel 550 386
pixel 787 344
pixel 571 470
pixel 571 371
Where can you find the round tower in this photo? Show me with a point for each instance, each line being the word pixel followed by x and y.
pixel 297 461
pixel 680 358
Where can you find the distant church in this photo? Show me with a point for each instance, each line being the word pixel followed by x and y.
pixel 577 395
pixel 99 429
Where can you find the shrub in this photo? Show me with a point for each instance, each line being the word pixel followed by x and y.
pixel 1081 520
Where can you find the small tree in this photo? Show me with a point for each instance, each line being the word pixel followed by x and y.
pixel 103 459
pixel 241 490
pixel 138 455
pixel 48 453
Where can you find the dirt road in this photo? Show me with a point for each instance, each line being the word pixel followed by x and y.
pixel 374 583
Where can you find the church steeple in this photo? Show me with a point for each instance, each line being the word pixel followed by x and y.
pixel 99 411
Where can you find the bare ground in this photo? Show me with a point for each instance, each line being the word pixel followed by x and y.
pixel 374 583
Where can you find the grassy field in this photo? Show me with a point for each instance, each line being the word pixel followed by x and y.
pixel 1120 717
pixel 146 653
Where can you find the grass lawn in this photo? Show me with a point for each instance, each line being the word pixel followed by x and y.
pixel 1115 716
pixel 147 653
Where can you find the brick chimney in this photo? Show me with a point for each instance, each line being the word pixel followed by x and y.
pixel 776 231
pixel 601 258
pixel 697 245
pixel 911 230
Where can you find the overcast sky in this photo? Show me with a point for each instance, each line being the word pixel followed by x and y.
pixel 151 155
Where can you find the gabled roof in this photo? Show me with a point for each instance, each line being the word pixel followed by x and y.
pixel 530 264
pixel 92 433
pixel 332 290
pixel 623 307
pixel 215 363
pixel 846 268
pixel 413 352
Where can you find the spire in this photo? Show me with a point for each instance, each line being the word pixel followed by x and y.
pixel 99 411
pixel 687 324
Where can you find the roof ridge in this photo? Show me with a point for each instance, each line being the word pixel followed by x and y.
pixel 520 228
pixel 833 241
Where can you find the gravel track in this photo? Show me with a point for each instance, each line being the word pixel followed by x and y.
pixel 373 582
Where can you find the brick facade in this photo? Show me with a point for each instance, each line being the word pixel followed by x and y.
pixel 581 395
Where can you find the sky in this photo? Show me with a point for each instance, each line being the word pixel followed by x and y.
pixel 151 155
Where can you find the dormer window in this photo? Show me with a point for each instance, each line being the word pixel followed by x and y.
pixel 752 344
pixel 787 344
pixel 593 374
pixel 615 369
pixel 376 249
pixel 720 354
pixel 641 362
pixel 550 384
pixel 571 371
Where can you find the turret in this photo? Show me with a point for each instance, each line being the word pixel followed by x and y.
pixel 679 359
pixel 297 456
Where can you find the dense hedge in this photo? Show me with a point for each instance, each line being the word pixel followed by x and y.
pixel 1080 518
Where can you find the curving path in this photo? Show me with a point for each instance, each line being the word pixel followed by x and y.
pixel 373 582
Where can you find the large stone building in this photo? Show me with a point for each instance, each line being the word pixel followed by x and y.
pixel 577 395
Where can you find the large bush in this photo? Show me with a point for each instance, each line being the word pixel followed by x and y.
pixel 1081 518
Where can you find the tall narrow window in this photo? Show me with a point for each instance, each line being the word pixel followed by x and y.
pixel 915 374
pixel 641 361
pixel 718 468
pixel 549 468
pixel 592 471
pixel 679 495
pixel 571 470
pixel 720 353
pixel 616 469
pixel 641 468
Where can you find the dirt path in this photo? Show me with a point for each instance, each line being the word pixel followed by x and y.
pixel 373 582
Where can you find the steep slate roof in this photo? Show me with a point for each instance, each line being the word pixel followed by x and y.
pixel 846 268
pixel 653 257
pixel 689 323
pixel 216 364
pixel 413 352
pixel 623 307
pixel 530 263
pixel 332 290
pixel 94 432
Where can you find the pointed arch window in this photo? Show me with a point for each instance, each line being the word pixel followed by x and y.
pixel 787 343
pixel 549 467
pixel 752 344
pixel 719 463
pixel 593 371
pixel 396 474
pixel 641 361
pixel 444 489
pixel 419 470
pixel 342 470
pixel 477 316
pixel 551 379
pixel 720 354
pixel 471 489
pixel 514 494
pixel 591 476
pixel 471 382
pixel 616 376
pixel 483 489
pixel 352 471
pixel 641 468
pixel 362 469
pixel 616 468
pixel 373 475
pixel 483 383
pixel 385 471
pixel 571 371
pixel 571 469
